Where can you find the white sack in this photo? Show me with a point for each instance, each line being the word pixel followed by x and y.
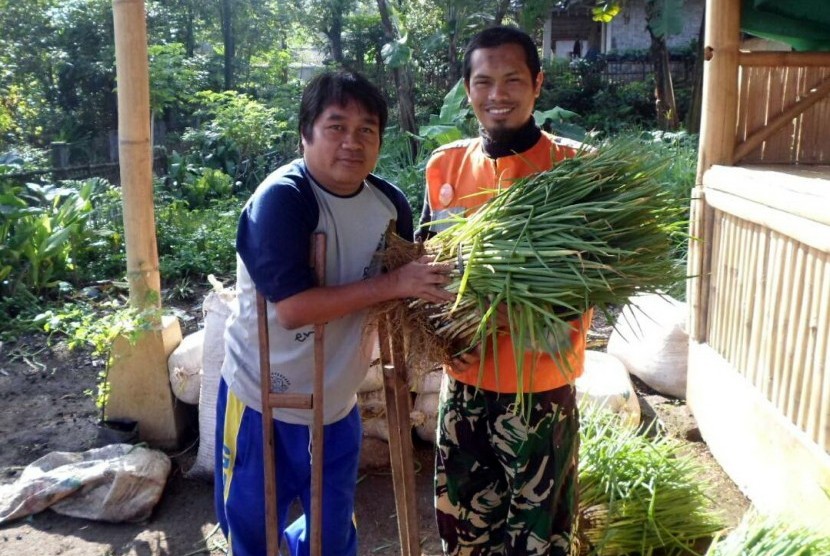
pixel 185 365
pixel 426 404
pixel 216 308
pixel 605 383
pixel 650 339
pixel 116 483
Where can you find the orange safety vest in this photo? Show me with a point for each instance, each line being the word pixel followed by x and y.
pixel 460 177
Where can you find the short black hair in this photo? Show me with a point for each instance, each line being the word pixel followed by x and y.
pixel 339 87
pixel 497 36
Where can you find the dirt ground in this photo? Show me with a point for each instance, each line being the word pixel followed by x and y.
pixel 44 407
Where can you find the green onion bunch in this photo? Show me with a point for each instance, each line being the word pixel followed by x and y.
pixel 638 493
pixel 590 232
pixel 764 536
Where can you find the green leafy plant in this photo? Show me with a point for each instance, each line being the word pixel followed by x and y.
pixel 196 242
pixel 455 121
pixel 97 327
pixel 41 226
pixel 238 133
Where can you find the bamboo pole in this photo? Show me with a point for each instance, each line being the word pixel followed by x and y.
pixel 811 387
pixel 694 263
pixel 710 330
pixel 784 268
pixel 707 216
pixel 797 375
pixel 822 360
pixel 396 394
pixel 717 139
pixel 135 152
pixel 744 319
pixel 744 247
pixel 758 307
pixel 773 296
pixel 732 290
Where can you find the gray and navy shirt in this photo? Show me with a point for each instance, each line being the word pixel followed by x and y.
pixel 273 246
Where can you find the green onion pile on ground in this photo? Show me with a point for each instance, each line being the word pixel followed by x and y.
pixel 590 232
pixel 638 494
pixel 764 536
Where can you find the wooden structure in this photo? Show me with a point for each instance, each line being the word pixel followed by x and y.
pixel 759 359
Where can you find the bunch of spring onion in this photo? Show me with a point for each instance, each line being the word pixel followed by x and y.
pixel 764 536
pixel 590 232
pixel 638 492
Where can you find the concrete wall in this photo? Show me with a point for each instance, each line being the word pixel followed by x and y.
pixel 628 31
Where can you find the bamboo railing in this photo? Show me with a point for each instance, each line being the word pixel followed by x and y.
pixel 758 378
pixel 769 299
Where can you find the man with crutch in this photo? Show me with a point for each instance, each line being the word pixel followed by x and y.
pixel 330 190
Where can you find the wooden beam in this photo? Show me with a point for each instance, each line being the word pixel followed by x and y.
pixel 783 59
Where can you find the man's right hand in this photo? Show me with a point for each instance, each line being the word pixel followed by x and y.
pixel 423 278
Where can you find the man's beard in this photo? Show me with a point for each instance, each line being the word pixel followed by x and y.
pixel 498 136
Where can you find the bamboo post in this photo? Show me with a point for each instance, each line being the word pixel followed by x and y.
pixel 720 84
pixel 135 151
pixel 717 139
pixel 138 378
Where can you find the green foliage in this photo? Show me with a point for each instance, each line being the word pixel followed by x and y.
pixel 98 326
pixel 242 120
pixel 196 242
pixel 42 227
pixel 194 184
pixel 174 77
pixel 237 135
pixel 397 165
pixel 455 121
pixel 665 17
pixel 84 71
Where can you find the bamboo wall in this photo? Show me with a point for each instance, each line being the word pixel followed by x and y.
pixel 769 315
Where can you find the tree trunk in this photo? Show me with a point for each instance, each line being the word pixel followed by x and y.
pixel 453 25
pixel 335 36
pixel 403 83
pixel 189 36
pixel 663 89
pixel 501 11
pixel 696 105
pixel 454 73
pixel 228 38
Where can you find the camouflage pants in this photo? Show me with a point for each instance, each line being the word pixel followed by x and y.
pixel 505 483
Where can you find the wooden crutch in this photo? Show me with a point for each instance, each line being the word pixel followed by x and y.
pixel 313 401
pixel 396 391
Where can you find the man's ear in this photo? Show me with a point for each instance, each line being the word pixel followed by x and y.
pixel 537 86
